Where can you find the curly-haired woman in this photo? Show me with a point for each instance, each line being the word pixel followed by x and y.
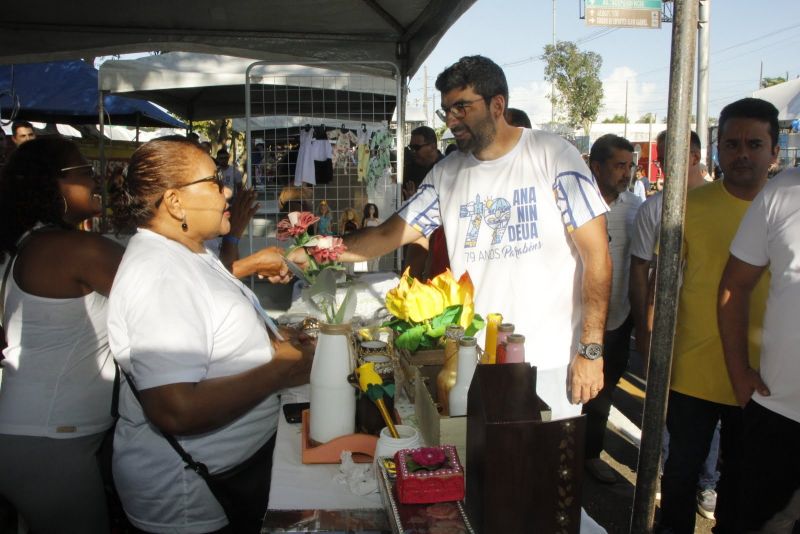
pixel 193 343
pixel 58 372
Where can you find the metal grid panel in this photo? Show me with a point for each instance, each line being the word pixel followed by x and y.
pixel 340 110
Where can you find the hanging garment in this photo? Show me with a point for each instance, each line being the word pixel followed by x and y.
pixel 323 166
pixel 304 170
pixel 362 142
pixel 380 161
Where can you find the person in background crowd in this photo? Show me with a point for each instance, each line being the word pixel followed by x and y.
pixel 641 184
pixel 517 117
pixel 191 339
pixel 642 278
pixel 420 255
pixel 206 146
pixel 452 147
pixel 58 373
pixel 701 394
pixel 22 132
pixel 549 234
pixel 768 238
pixel 230 174
pixel 611 160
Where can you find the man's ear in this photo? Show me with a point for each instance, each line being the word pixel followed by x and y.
pixel 594 166
pixel 498 105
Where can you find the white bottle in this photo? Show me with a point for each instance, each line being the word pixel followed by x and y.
pixel 467 361
pixel 333 399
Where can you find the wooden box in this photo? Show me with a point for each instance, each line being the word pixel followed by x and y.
pixel 524 474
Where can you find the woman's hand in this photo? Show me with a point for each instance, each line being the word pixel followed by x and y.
pixel 266 263
pixel 242 210
pixel 294 356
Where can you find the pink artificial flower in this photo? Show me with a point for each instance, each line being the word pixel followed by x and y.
pixel 325 249
pixel 296 224
pixel 428 456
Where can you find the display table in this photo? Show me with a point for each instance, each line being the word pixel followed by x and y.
pixel 305 498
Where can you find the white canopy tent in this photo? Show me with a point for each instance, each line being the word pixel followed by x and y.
pixel 784 96
pixel 206 86
pixel 293 31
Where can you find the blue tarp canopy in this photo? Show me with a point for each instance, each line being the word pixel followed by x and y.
pixel 66 92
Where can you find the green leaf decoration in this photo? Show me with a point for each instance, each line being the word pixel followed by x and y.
pixel 411 338
pixel 348 307
pixel 375 392
pixel 477 324
pixel 414 466
pixel 389 389
pixel 435 332
pixel 449 316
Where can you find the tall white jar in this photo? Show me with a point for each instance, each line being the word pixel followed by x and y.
pixel 467 361
pixel 333 399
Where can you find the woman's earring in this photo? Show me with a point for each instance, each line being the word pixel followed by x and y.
pixel 184 226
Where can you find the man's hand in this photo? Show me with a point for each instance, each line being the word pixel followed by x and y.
pixel 242 210
pixel 585 379
pixel 744 384
pixel 299 257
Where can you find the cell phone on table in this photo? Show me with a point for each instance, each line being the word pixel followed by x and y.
pixel 293 412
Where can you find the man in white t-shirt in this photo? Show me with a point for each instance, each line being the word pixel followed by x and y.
pixel 523 215
pixel 643 241
pixel 611 160
pixel 230 174
pixel 768 238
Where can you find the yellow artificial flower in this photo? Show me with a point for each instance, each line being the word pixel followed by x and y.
pixel 367 376
pixel 448 286
pixel 396 298
pixel 423 302
pixel 465 293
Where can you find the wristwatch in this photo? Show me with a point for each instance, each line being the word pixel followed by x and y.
pixel 590 351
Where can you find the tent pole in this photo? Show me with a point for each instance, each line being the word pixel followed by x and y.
pixel 102 152
pixel 684 39
pixel 401 123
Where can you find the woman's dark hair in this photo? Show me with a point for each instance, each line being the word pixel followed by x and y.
pixel 29 191
pixel 484 75
pixel 155 167
pixel 366 212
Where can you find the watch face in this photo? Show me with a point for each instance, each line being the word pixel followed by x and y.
pixel 594 351
pixel 590 351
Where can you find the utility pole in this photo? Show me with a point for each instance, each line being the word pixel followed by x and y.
pixel 425 92
pixel 761 75
pixel 625 129
pixel 684 43
pixel 552 84
pixel 703 39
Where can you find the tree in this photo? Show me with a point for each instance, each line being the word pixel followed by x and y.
pixel 769 82
pixel 575 76
pixel 647 118
pixel 616 119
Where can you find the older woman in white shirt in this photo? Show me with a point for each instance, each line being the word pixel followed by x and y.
pixel 191 338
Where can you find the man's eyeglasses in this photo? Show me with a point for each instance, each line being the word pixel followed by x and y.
pixel 458 109
pixel 217 178
pixel 414 148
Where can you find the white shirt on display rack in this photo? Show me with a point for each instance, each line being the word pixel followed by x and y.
pixel 507 222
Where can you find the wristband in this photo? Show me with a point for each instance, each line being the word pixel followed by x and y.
pixel 230 239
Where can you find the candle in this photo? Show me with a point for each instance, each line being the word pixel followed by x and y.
pixel 493 320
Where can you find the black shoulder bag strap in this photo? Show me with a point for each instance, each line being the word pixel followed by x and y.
pixel 198 467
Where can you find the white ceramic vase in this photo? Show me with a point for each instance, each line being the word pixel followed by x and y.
pixel 333 399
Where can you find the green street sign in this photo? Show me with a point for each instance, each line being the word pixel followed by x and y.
pixel 624 13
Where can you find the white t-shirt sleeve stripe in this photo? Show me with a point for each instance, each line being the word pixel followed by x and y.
pixel 421 211
pixel 752 239
pixel 578 199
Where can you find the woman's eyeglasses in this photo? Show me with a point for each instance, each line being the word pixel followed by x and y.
pixel 83 167
pixel 217 178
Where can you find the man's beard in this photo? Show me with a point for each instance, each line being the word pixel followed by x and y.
pixel 481 136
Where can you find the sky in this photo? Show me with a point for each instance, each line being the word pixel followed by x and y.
pixel 513 33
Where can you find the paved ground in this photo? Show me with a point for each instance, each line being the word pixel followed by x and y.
pixel 611 505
